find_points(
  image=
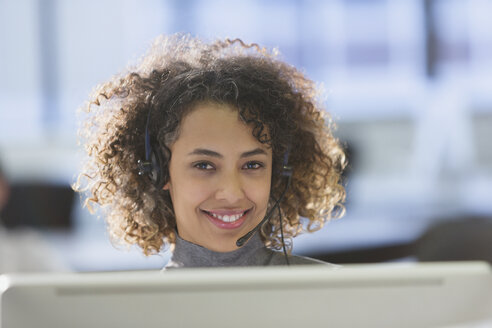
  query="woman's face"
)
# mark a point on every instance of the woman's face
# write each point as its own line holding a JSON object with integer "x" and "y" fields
{"x": 220, "y": 177}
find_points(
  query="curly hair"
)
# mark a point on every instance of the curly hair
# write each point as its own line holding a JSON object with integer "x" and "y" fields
{"x": 177, "y": 73}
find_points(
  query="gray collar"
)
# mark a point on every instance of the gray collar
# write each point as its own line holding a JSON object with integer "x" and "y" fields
{"x": 188, "y": 254}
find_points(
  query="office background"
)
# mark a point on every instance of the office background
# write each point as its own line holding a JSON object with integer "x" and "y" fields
{"x": 408, "y": 83}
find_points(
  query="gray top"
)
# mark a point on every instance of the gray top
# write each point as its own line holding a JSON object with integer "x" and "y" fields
{"x": 253, "y": 253}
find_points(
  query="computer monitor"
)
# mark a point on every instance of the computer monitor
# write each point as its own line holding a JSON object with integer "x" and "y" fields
{"x": 409, "y": 295}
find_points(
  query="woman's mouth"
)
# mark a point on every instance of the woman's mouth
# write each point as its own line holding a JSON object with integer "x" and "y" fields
{"x": 227, "y": 221}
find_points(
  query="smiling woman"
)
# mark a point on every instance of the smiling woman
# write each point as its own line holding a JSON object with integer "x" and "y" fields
{"x": 219, "y": 177}
{"x": 190, "y": 148}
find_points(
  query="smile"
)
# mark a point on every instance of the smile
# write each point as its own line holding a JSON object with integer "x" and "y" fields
{"x": 227, "y": 218}
{"x": 232, "y": 219}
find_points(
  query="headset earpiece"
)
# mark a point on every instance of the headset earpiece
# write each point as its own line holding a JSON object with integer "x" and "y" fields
{"x": 152, "y": 166}
{"x": 157, "y": 176}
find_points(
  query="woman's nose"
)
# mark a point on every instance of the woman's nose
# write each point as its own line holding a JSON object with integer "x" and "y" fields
{"x": 230, "y": 188}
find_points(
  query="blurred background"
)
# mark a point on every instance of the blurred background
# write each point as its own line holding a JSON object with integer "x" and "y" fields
{"x": 408, "y": 83}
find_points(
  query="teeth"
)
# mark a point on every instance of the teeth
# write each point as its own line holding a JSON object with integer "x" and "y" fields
{"x": 227, "y": 218}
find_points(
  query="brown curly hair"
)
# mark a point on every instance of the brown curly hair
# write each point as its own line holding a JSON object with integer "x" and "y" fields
{"x": 177, "y": 73}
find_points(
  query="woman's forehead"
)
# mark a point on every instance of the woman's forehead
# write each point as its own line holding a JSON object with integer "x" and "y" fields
{"x": 216, "y": 126}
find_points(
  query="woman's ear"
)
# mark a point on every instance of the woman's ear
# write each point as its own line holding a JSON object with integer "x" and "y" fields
{"x": 167, "y": 186}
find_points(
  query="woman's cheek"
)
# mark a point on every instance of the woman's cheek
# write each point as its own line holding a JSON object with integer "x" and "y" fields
{"x": 199, "y": 190}
{"x": 259, "y": 190}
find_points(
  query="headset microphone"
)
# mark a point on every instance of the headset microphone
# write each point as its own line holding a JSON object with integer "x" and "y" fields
{"x": 286, "y": 172}
{"x": 241, "y": 241}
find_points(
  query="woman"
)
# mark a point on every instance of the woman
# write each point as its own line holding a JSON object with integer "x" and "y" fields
{"x": 218, "y": 150}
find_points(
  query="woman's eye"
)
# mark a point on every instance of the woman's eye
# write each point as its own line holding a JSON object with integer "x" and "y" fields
{"x": 253, "y": 165}
{"x": 203, "y": 166}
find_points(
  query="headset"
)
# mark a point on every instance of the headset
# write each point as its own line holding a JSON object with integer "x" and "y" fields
{"x": 287, "y": 173}
{"x": 152, "y": 165}
{"x": 152, "y": 168}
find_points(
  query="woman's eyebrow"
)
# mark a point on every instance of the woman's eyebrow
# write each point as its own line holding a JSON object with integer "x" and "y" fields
{"x": 257, "y": 151}
{"x": 208, "y": 152}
